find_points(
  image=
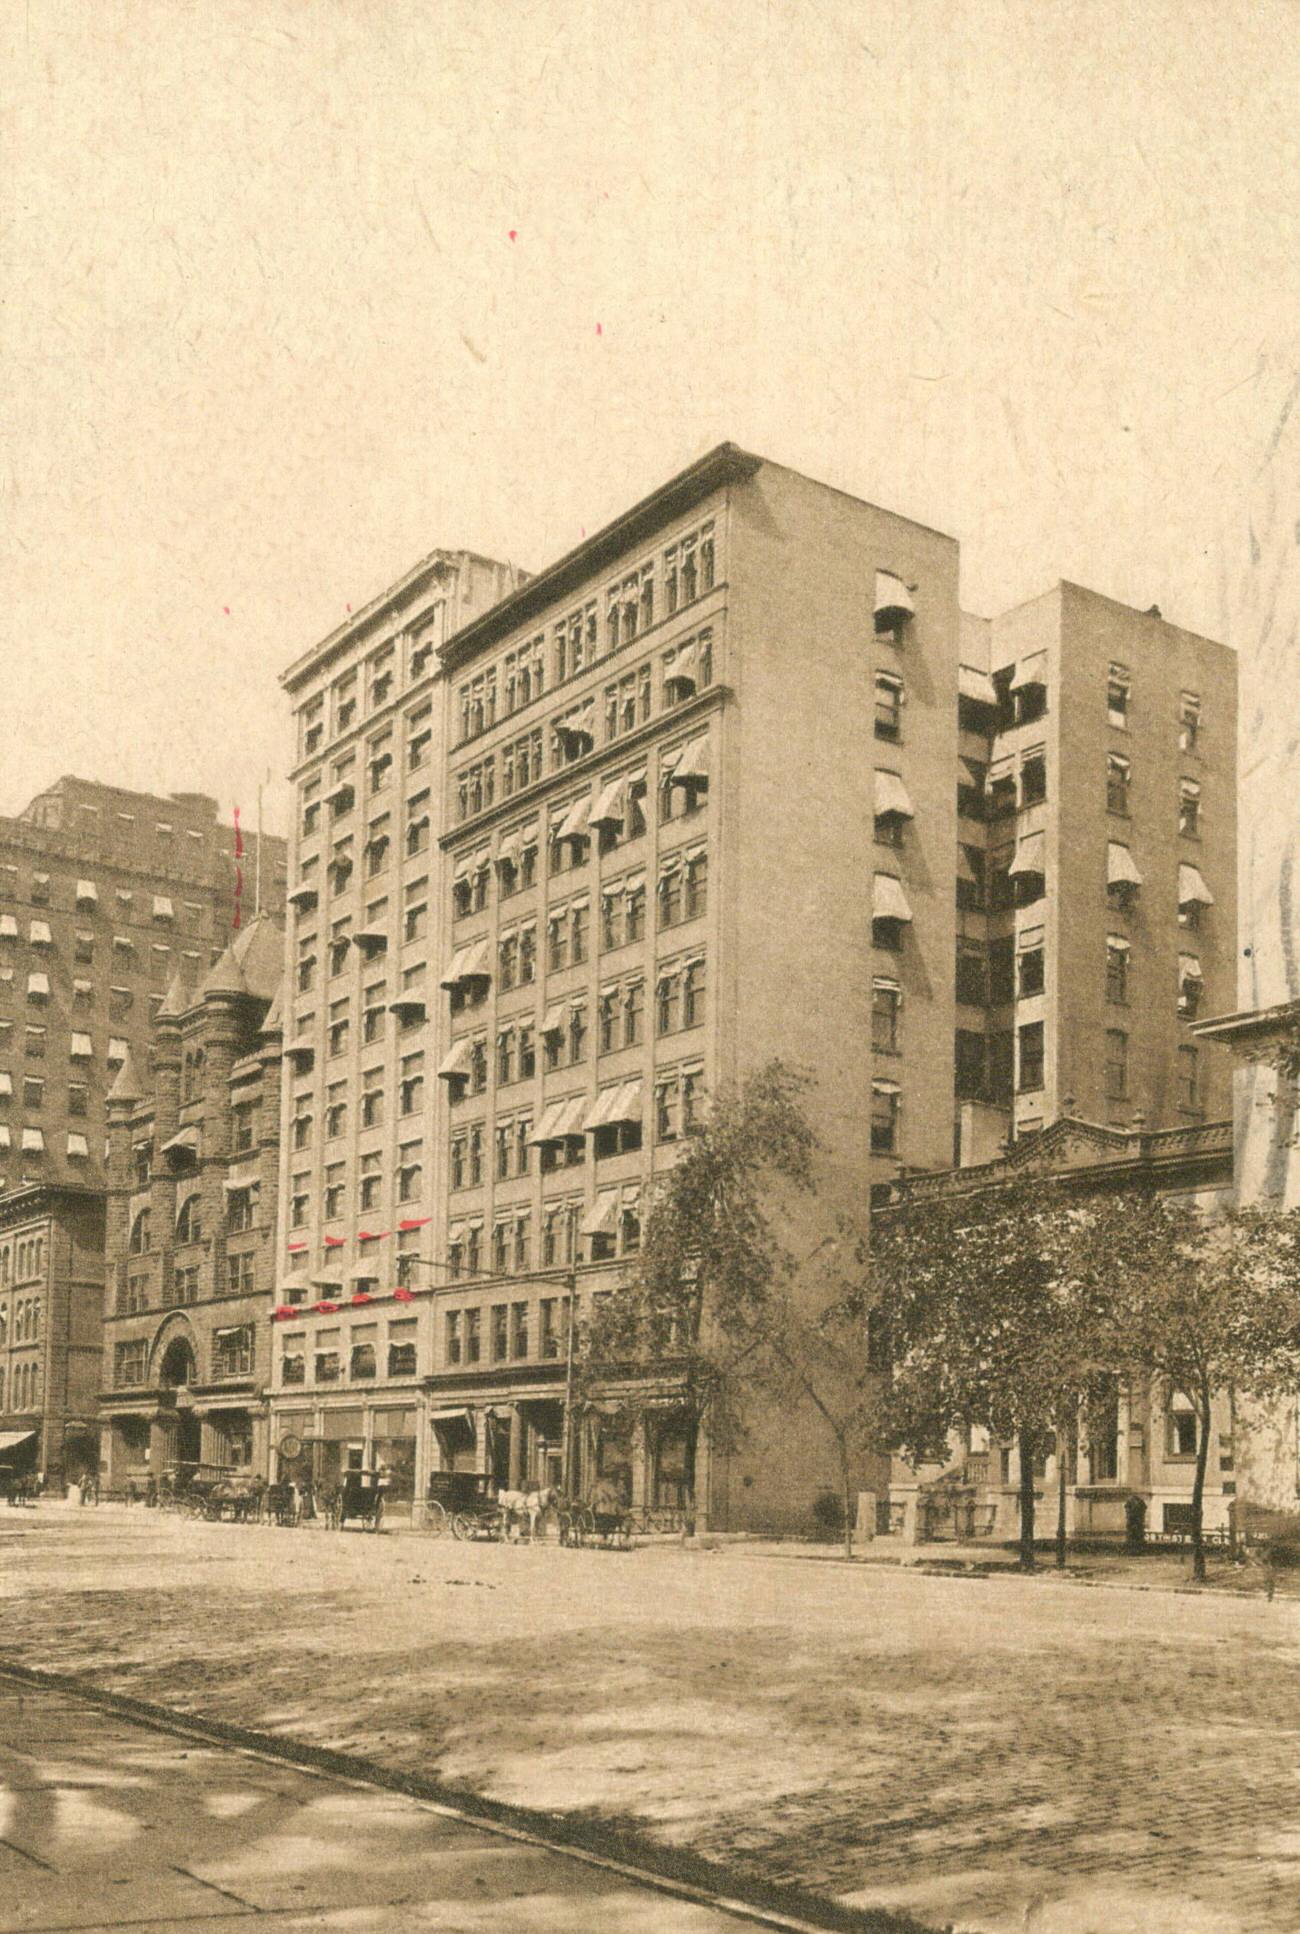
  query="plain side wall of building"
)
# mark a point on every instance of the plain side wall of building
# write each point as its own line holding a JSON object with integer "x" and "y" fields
{"x": 798, "y": 859}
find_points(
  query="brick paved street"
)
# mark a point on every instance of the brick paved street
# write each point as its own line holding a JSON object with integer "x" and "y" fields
{"x": 995, "y": 1754}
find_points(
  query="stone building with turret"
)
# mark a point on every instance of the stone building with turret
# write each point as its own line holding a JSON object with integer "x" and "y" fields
{"x": 193, "y": 1160}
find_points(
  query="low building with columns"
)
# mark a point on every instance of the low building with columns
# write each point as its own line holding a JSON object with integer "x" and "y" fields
{"x": 1141, "y": 1455}
{"x": 193, "y": 1164}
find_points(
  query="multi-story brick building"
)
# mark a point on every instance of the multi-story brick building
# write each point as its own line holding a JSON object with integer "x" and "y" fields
{"x": 51, "y": 1292}
{"x": 1097, "y": 868}
{"x": 104, "y": 896}
{"x": 193, "y": 1170}
{"x": 362, "y": 1024}
{"x": 695, "y": 800}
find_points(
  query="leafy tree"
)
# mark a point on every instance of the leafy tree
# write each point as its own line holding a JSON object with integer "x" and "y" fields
{"x": 992, "y": 1323}
{"x": 727, "y": 1301}
{"x": 1197, "y": 1306}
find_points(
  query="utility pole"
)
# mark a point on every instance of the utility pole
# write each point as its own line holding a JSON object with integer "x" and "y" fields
{"x": 566, "y": 1467}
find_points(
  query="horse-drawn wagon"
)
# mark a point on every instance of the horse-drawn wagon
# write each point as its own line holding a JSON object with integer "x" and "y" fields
{"x": 358, "y": 1500}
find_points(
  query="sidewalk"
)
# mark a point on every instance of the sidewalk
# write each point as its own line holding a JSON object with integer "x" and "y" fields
{"x": 105, "y": 1823}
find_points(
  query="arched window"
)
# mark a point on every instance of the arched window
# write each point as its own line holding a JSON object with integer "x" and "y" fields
{"x": 39, "y": 1257}
{"x": 140, "y": 1235}
{"x": 189, "y": 1223}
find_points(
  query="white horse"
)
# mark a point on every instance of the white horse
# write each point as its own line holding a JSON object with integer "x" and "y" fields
{"x": 520, "y": 1506}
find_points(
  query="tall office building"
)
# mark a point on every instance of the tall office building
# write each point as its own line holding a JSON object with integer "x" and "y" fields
{"x": 104, "y": 896}
{"x": 724, "y": 783}
{"x": 361, "y": 1021}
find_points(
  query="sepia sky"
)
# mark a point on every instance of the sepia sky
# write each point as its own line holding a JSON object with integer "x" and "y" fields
{"x": 294, "y": 293}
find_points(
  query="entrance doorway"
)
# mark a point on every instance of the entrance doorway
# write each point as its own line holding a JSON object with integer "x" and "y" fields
{"x": 188, "y": 1437}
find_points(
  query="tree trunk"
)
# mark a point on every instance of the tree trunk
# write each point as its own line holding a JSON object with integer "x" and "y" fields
{"x": 1027, "y": 1447}
{"x": 1062, "y": 1454}
{"x": 1198, "y": 1488}
{"x": 845, "y": 1480}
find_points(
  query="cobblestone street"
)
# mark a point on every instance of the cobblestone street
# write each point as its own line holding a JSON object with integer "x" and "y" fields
{"x": 987, "y": 1753}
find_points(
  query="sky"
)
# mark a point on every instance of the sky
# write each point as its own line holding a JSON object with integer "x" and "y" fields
{"x": 296, "y": 291}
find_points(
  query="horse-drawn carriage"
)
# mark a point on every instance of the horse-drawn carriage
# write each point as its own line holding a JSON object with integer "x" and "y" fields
{"x": 601, "y": 1521}
{"x": 464, "y": 1503}
{"x": 358, "y": 1500}
{"x": 17, "y": 1487}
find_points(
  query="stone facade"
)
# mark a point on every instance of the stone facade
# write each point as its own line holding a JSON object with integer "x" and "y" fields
{"x": 51, "y": 1296}
{"x": 194, "y": 1154}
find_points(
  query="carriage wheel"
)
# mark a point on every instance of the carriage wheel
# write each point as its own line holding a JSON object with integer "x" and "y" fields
{"x": 462, "y": 1526}
{"x": 584, "y": 1525}
{"x": 435, "y": 1519}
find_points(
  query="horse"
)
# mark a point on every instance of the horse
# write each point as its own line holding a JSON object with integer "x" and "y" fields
{"x": 532, "y": 1504}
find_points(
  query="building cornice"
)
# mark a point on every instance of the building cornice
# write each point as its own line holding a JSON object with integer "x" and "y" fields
{"x": 726, "y": 464}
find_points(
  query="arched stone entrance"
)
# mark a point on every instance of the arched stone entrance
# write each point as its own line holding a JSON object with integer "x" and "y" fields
{"x": 176, "y": 1367}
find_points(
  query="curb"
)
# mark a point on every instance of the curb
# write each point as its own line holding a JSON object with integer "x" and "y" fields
{"x": 678, "y": 1873}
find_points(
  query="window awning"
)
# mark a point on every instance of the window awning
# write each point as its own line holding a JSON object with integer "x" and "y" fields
{"x": 336, "y": 794}
{"x": 555, "y": 1017}
{"x": 602, "y": 1216}
{"x": 1031, "y": 856}
{"x": 456, "y": 1060}
{"x": 468, "y": 963}
{"x": 162, "y": 907}
{"x": 976, "y": 772}
{"x": 605, "y": 1100}
{"x": 691, "y": 765}
{"x": 8, "y": 927}
{"x": 38, "y": 933}
{"x": 300, "y": 1050}
{"x": 449, "y": 1416}
{"x": 33, "y": 1141}
{"x": 881, "y": 1086}
{"x": 574, "y": 823}
{"x": 579, "y": 728}
{"x": 1030, "y": 671}
{"x": 371, "y": 940}
{"x": 7, "y": 1080}
{"x": 965, "y": 871}
{"x": 188, "y": 1139}
{"x": 87, "y": 893}
{"x": 240, "y": 1180}
{"x": 5, "y": 1141}
{"x": 682, "y": 669}
{"x": 893, "y": 601}
{"x": 1192, "y": 890}
{"x": 611, "y": 806}
{"x": 81, "y": 1049}
{"x": 626, "y": 1104}
{"x": 888, "y": 900}
{"x": 976, "y": 685}
{"x": 408, "y": 1003}
{"x": 1117, "y": 943}
{"x": 892, "y": 799}
{"x": 509, "y": 849}
{"x": 10, "y": 1439}
{"x": 572, "y": 1120}
{"x": 304, "y": 896}
{"x": 1120, "y": 867}
{"x": 39, "y": 984}
{"x": 545, "y": 1130}
{"x": 78, "y": 1145}
{"x": 1189, "y": 967}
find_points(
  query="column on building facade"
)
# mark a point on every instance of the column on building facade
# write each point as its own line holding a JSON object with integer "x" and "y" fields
{"x": 516, "y": 1464}
{"x": 642, "y": 1453}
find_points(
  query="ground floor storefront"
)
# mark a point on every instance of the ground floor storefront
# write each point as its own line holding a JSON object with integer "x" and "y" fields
{"x": 314, "y": 1441}
{"x": 160, "y": 1435}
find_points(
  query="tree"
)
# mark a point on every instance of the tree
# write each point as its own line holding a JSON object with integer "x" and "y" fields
{"x": 727, "y": 1302}
{"x": 1197, "y": 1306}
{"x": 992, "y": 1323}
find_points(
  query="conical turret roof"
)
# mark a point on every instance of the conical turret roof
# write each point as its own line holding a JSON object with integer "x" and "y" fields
{"x": 126, "y": 1083}
{"x": 252, "y": 964}
{"x": 274, "y": 1022}
{"x": 175, "y": 1000}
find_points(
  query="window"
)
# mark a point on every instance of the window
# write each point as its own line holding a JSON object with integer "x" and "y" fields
{"x": 969, "y": 1064}
{"x": 886, "y": 1007}
{"x": 78, "y": 1098}
{"x": 670, "y": 891}
{"x": 415, "y": 914}
{"x": 884, "y": 1117}
{"x": 1189, "y": 722}
{"x": 33, "y": 1092}
{"x": 1190, "y": 987}
{"x": 1117, "y": 963}
{"x": 83, "y": 946}
{"x": 372, "y": 1098}
{"x": 410, "y": 1172}
{"x": 361, "y": 1362}
{"x": 417, "y": 824}
{"x": 372, "y": 1180}
{"x": 241, "y": 1273}
{"x": 338, "y": 1029}
{"x": 34, "y": 1043}
{"x": 1115, "y": 1066}
{"x": 299, "y": 1202}
{"x": 189, "y": 1221}
{"x": 1189, "y": 808}
{"x": 972, "y": 974}
{"x": 140, "y": 1241}
{"x": 336, "y": 1111}
{"x": 475, "y": 789}
{"x": 239, "y": 1211}
{"x": 473, "y": 1317}
{"x": 334, "y": 1182}
{"x": 1117, "y": 696}
{"x": 1189, "y": 1091}
{"x": 1180, "y": 1428}
{"x": 130, "y": 1362}
{"x": 411, "y": 1084}
{"x": 1030, "y": 1045}
{"x": 1118, "y": 771}
{"x": 1029, "y": 980}
{"x": 889, "y": 707}
{"x": 1033, "y": 777}
{"x": 1001, "y": 790}
{"x": 401, "y": 1351}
